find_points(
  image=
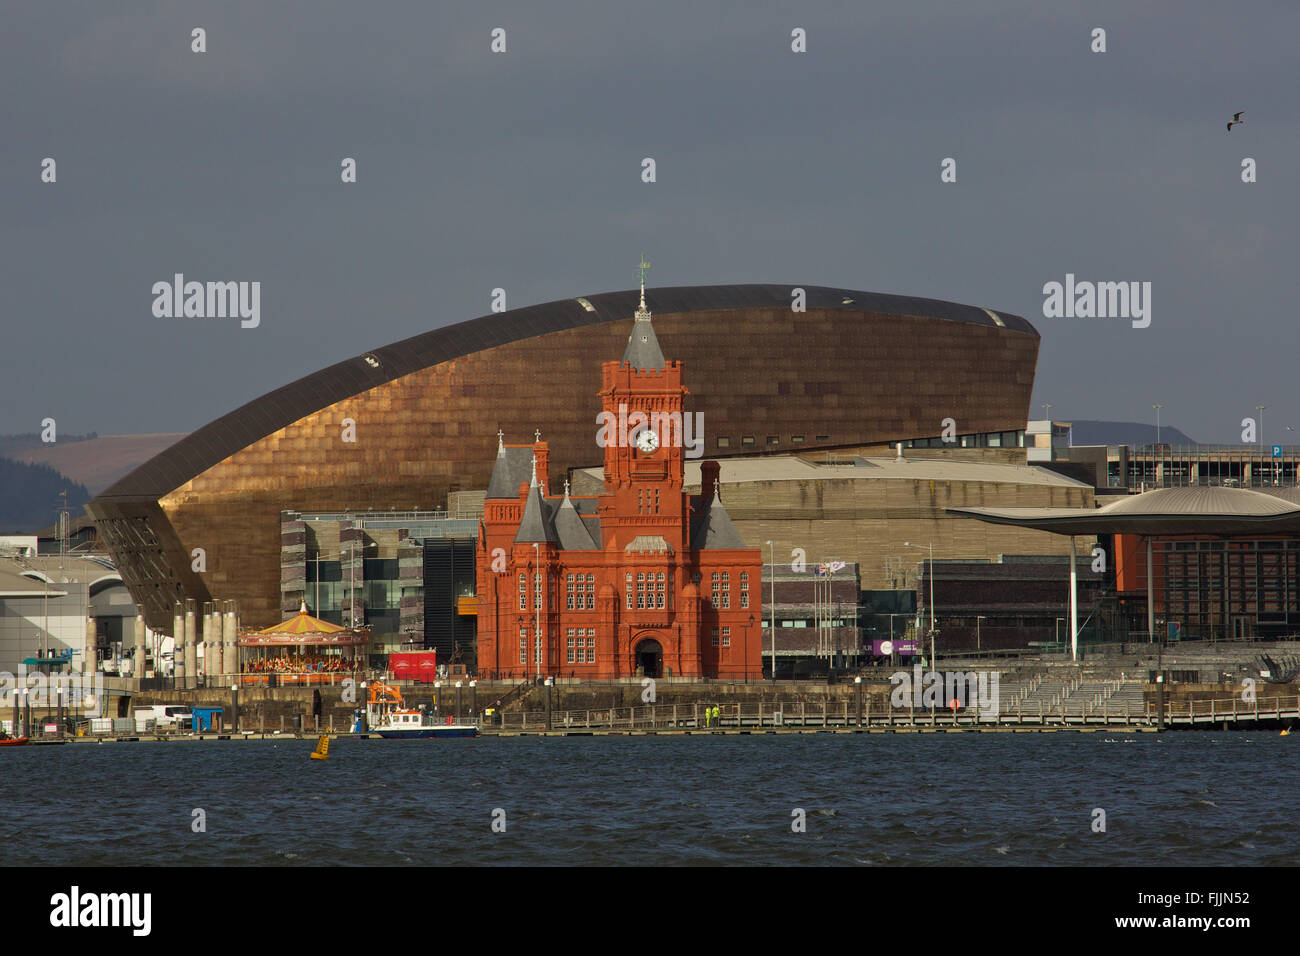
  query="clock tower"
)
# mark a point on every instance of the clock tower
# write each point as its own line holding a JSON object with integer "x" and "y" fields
{"x": 643, "y": 404}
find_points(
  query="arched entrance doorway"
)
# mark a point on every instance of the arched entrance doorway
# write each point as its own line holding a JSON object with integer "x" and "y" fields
{"x": 649, "y": 658}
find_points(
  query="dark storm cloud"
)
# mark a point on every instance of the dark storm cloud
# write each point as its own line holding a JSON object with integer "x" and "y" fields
{"x": 522, "y": 171}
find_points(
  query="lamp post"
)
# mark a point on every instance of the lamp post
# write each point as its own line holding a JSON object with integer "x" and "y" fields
{"x": 549, "y": 682}
{"x": 751, "y": 627}
{"x": 458, "y": 683}
{"x": 473, "y": 699}
{"x": 537, "y": 613}
{"x": 436, "y": 686}
{"x": 771, "y": 600}
{"x": 234, "y": 708}
{"x": 1157, "y": 408}
{"x": 908, "y": 544}
{"x": 978, "y": 618}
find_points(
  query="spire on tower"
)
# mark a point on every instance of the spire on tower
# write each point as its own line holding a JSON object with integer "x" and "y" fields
{"x": 644, "y": 266}
{"x": 643, "y": 351}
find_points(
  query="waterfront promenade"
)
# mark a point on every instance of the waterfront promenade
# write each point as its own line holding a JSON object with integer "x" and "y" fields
{"x": 843, "y": 718}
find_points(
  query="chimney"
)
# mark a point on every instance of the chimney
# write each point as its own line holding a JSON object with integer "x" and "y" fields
{"x": 709, "y": 472}
{"x": 543, "y": 464}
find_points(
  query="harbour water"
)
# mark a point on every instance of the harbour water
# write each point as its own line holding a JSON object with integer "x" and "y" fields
{"x": 934, "y": 799}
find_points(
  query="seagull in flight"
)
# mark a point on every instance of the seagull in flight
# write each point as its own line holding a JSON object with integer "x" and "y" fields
{"x": 1236, "y": 120}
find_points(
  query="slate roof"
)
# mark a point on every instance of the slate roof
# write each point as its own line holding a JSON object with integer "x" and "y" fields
{"x": 643, "y": 351}
{"x": 713, "y": 529}
{"x": 537, "y": 524}
{"x": 513, "y": 466}
{"x": 571, "y": 530}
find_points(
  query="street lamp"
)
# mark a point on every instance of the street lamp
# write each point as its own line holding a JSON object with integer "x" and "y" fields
{"x": 771, "y": 600}
{"x": 978, "y": 618}
{"x": 1157, "y": 408}
{"x": 908, "y": 544}
{"x": 537, "y": 614}
{"x": 751, "y": 627}
{"x": 1260, "y": 434}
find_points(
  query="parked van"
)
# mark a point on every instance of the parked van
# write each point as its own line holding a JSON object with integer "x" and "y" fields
{"x": 167, "y": 716}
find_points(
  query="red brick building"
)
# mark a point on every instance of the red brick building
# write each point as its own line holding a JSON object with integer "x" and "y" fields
{"x": 640, "y": 580}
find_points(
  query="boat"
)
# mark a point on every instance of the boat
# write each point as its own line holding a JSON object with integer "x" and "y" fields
{"x": 7, "y": 741}
{"x": 389, "y": 716}
{"x": 322, "y": 751}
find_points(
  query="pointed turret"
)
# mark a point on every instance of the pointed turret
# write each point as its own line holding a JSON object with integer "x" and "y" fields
{"x": 643, "y": 351}
{"x": 534, "y": 526}
{"x": 714, "y": 529}
{"x": 570, "y": 528}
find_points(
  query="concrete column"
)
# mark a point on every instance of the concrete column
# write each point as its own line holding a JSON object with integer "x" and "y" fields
{"x": 178, "y": 648}
{"x": 1074, "y": 604}
{"x": 90, "y": 653}
{"x": 138, "y": 670}
{"x": 191, "y": 636}
{"x": 214, "y": 669}
{"x": 230, "y": 655}
{"x": 204, "y": 635}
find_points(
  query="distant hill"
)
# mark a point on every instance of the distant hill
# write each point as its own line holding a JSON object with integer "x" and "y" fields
{"x": 1125, "y": 433}
{"x": 93, "y": 461}
{"x": 29, "y": 496}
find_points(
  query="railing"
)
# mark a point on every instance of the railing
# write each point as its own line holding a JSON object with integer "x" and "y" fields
{"x": 1095, "y": 710}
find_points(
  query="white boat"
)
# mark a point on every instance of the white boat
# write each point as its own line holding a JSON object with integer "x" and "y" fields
{"x": 388, "y": 716}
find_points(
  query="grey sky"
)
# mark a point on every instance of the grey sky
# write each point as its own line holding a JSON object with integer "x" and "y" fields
{"x": 522, "y": 171}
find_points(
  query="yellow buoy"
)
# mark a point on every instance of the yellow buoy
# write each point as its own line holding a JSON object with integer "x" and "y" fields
{"x": 1285, "y": 732}
{"x": 322, "y": 751}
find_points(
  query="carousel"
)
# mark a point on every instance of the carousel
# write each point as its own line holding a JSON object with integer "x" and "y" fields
{"x": 302, "y": 650}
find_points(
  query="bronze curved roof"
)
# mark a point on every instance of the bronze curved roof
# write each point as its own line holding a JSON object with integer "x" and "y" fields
{"x": 240, "y": 428}
{"x": 1192, "y": 510}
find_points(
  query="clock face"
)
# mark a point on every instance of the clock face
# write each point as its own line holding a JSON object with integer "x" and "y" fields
{"x": 647, "y": 441}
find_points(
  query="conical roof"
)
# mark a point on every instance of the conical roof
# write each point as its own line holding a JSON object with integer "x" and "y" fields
{"x": 570, "y": 528}
{"x": 643, "y": 351}
{"x": 303, "y": 623}
{"x": 714, "y": 529}
{"x": 535, "y": 527}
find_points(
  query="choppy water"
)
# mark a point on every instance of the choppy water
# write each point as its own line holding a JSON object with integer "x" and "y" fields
{"x": 1188, "y": 799}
